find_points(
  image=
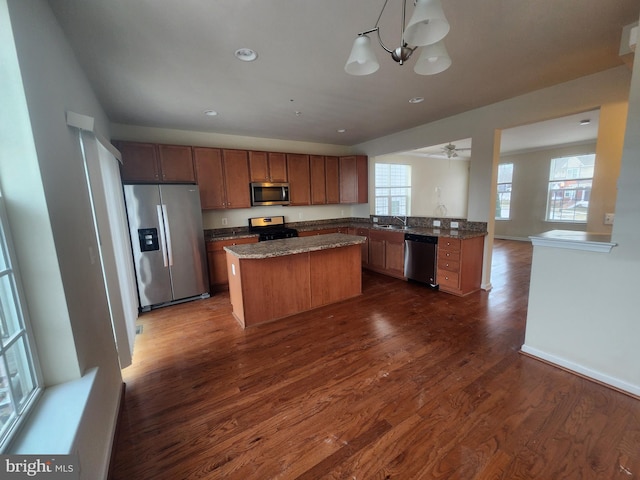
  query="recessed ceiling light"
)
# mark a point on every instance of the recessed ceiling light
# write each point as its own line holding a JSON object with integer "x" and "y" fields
{"x": 586, "y": 121}
{"x": 416, "y": 100}
{"x": 210, "y": 113}
{"x": 246, "y": 54}
{"x": 341, "y": 130}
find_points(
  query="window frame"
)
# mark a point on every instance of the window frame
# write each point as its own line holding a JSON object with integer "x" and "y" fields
{"x": 389, "y": 197}
{"x": 498, "y": 192}
{"x": 19, "y": 408}
{"x": 571, "y": 177}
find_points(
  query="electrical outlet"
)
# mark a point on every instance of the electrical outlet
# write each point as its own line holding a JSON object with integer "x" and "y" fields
{"x": 342, "y": 213}
{"x": 224, "y": 221}
{"x": 454, "y": 225}
{"x": 375, "y": 219}
{"x": 300, "y": 215}
{"x": 436, "y": 223}
{"x": 609, "y": 218}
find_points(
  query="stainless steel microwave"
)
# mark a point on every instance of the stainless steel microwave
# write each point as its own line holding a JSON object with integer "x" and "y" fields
{"x": 269, "y": 194}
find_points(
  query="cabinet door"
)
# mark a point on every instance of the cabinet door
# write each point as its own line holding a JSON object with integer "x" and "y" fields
{"x": 209, "y": 175}
{"x": 139, "y": 162}
{"x": 299, "y": 179}
{"x": 332, "y": 176}
{"x": 354, "y": 179}
{"x": 376, "y": 253}
{"x": 258, "y": 167}
{"x": 176, "y": 164}
{"x": 217, "y": 258}
{"x": 278, "y": 167}
{"x": 318, "y": 180}
{"x": 236, "y": 178}
{"x": 394, "y": 257}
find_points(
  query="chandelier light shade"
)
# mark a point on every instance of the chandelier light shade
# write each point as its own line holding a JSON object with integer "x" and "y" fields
{"x": 426, "y": 28}
{"x": 362, "y": 60}
{"x": 427, "y": 24}
{"x": 433, "y": 59}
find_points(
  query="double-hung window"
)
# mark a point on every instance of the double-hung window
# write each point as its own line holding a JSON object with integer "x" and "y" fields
{"x": 393, "y": 189}
{"x": 570, "y": 181}
{"x": 503, "y": 198}
{"x": 19, "y": 378}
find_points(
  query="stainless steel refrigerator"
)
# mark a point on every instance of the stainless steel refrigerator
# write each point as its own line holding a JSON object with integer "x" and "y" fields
{"x": 165, "y": 224}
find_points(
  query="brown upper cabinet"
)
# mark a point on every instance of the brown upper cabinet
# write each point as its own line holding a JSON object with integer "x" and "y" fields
{"x": 152, "y": 163}
{"x": 268, "y": 167}
{"x": 354, "y": 178}
{"x": 299, "y": 179}
{"x": 325, "y": 179}
{"x": 318, "y": 180}
{"x": 223, "y": 178}
{"x": 332, "y": 176}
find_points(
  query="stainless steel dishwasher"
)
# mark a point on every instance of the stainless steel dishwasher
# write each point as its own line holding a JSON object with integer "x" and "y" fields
{"x": 420, "y": 258}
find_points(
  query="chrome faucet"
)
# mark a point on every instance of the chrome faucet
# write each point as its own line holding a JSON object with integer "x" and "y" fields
{"x": 403, "y": 220}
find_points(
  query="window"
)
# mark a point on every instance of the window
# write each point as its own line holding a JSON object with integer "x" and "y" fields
{"x": 503, "y": 199}
{"x": 570, "y": 180}
{"x": 19, "y": 379}
{"x": 393, "y": 189}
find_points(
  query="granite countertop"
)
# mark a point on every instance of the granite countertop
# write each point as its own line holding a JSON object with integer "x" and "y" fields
{"x": 291, "y": 246}
{"x": 434, "y": 232}
{"x": 242, "y": 232}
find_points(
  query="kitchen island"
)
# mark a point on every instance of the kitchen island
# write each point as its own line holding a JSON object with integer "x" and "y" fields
{"x": 279, "y": 278}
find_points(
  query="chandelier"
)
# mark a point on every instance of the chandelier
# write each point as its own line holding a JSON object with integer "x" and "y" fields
{"x": 425, "y": 31}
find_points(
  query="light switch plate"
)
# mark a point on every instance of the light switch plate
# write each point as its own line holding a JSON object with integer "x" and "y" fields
{"x": 454, "y": 225}
{"x": 436, "y": 223}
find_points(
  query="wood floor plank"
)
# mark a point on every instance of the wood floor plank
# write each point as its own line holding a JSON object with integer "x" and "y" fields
{"x": 402, "y": 382}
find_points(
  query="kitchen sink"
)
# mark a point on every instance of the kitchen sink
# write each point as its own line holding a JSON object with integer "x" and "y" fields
{"x": 394, "y": 227}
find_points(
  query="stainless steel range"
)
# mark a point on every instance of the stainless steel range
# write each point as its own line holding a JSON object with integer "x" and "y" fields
{"x": 271, "y": 228}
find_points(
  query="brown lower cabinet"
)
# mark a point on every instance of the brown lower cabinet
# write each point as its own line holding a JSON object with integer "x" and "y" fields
{"x": 217, "y": 259}
{"x": 386, "y": 252}
{"x": 363, "y": 232}
{"x": 460, "y": 264}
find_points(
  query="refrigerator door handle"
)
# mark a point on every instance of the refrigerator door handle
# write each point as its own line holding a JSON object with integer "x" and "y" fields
{"x": 163, "y": 240}
{"x": 167, "y": 234}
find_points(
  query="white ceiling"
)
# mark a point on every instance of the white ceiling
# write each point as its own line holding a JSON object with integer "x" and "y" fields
{"x": 558, "y": 131}
{"x": 162, "y": 63}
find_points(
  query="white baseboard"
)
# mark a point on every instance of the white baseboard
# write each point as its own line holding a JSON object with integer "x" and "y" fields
{"x": 583, "y": 371}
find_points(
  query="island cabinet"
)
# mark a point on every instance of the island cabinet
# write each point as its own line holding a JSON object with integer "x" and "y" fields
{"x": 362, "y": 232}
{"x": 459, "y": 264}
{"x": 386, "y": 252}
{"x": 153, "y": 163}
{"x": 268, "y": 167}
{"x": 299, "y": 173}
{"x": 354, "y": 179}
{"x": 217, "y": 260}
{"x": 223, "y": 178}
{"x": 272, "y": 280}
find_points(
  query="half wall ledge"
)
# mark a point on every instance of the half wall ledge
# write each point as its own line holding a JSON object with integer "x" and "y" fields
{"x": 573, "y": 240}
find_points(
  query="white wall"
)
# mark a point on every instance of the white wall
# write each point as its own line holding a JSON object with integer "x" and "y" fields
{"x": 583, "y": 306}
{"x": 43, "y": 179}
{"x": 433, "y": 181}
{"x": 483, "y": 126}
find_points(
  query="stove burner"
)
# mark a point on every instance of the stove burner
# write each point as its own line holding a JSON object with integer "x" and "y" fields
{"x": 271, "y": 228}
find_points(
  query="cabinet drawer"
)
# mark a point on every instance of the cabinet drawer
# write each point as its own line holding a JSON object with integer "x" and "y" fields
{"x": 448, "y": 279}
{"x": 449, "y": 265}
{"x": 449, "y": 244}
{"x": 448, "y": 255}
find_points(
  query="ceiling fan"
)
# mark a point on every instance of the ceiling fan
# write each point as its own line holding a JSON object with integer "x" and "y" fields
{"x": 451, "y": 151}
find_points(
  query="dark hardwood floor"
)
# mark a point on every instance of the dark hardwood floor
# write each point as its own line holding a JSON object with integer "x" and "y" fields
{"x": 400, "y": 383}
